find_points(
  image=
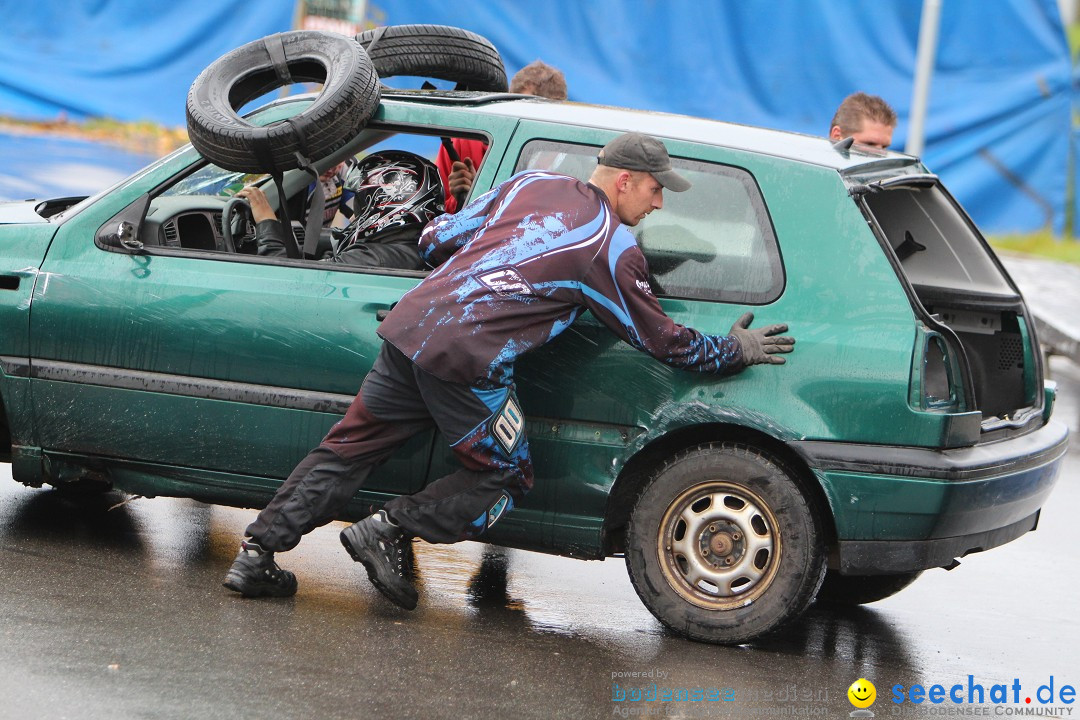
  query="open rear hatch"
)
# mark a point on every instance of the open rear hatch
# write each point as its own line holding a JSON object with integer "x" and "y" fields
{"x": 962, "y": 293}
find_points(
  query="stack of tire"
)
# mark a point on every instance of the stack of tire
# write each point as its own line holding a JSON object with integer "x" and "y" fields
{"x": 350, "y": 70}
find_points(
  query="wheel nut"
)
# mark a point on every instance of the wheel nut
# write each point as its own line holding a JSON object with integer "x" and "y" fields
{"x": 728, "y": 561}
{"x": 712, "y": 528}
{"x": 736, "y": 536}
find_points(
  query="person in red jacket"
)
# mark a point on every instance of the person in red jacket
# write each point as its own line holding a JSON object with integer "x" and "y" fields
{"x": 536, "y": 78}
{"x": 513, "y": 269}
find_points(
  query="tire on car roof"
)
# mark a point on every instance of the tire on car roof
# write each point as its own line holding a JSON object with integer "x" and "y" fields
{"x": 349, "y": 97}
{"x": 436, "y": 51}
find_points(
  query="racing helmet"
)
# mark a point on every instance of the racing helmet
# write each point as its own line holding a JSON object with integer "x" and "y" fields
{"x": 393, "y": 189}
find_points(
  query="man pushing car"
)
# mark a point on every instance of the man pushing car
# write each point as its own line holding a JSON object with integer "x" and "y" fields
{"x": 513, "y": 269}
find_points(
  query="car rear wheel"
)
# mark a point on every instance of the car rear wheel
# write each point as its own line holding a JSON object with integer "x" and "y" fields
{"x": 862, "y": 589}
{"x": 349, "y": 97}
{"x": 436, "y": 51}
{"x": 724, "y": 544}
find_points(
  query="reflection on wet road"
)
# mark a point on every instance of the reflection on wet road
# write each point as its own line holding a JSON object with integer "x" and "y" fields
{"x": 120, "y": 613}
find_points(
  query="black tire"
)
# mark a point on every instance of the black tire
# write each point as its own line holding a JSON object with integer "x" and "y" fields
{"x": 349, "y": 97}
{"x": 437, "y": 51}
{"x": 724, "y": 545}
{"x": 862, "y": 589}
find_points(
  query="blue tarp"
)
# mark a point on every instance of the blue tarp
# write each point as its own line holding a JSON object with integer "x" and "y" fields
{"x": 122, "y": 59}
{"x": 998, "y": 129}
{"x": 998, "y": 125}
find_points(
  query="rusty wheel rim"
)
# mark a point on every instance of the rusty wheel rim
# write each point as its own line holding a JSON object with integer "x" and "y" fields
{"x": 719, "y": 546}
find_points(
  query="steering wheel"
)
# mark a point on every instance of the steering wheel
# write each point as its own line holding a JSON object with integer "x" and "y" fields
{"x": 232, "y": 226}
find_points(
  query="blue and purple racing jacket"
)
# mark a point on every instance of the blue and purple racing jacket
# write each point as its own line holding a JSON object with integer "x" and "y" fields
{"x": 516, "y": 267}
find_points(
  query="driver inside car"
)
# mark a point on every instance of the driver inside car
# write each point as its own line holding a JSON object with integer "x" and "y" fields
{"x": 396, "y": 194}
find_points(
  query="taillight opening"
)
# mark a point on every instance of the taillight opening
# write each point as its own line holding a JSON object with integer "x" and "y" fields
{"x": 938, "y": 390}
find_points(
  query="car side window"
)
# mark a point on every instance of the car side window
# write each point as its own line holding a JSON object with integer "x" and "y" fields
{"x": 369, "y": 209}
{"x": 713, "y": 242}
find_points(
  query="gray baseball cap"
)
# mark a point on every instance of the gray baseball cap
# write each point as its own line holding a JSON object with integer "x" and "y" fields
{"x": 636, "y": 151}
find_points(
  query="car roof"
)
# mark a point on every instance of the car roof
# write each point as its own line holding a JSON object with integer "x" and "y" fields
{"x": 812, "y": 149}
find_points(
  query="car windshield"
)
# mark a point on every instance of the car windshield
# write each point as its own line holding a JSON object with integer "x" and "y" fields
{"x": 212, "y": 180}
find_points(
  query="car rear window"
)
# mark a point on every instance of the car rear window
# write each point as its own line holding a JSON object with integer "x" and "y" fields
{"x": 935, "y": 244}
{"x": 712, "y": 242}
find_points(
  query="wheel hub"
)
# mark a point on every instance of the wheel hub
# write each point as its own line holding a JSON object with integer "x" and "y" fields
{"x": 721, "y": 544}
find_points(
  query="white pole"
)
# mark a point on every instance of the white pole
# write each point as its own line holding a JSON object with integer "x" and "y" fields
{"x": 924, "y": 71}
{"x": 1068, "y": 12}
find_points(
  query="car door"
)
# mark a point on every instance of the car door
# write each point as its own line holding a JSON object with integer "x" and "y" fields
{"x": 200, "y": 359}
{"x": 712, "y": 254}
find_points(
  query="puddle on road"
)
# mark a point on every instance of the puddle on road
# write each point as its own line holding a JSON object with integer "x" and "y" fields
{"x": 551, "y": 594}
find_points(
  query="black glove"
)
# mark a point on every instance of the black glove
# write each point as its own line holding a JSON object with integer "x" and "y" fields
{"x": 758, "y": 345}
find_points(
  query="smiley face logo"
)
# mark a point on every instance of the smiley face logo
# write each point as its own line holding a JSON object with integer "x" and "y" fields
{"x": 862, "y": 693}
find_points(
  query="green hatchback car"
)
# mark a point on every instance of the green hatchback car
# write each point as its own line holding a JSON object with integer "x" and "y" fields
{"x": 146, "y": 346}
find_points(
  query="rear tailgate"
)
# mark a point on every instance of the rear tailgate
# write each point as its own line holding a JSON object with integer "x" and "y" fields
{"x": 985, "y": 355}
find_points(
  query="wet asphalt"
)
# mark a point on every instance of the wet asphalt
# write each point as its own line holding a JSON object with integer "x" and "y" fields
{"x": 119, "y": 613}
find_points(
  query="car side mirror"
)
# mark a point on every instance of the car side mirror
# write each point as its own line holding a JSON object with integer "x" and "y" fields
{"x": 121, "y": 231}
{"x": 121, "y": 238}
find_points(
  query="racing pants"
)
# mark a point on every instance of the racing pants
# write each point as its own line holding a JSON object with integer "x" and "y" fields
{"x": 397, "y": 400}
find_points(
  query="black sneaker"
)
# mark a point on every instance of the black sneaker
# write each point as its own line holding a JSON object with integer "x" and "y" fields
{"x": 383, "y": 548}
{"x": 255, "y": 574}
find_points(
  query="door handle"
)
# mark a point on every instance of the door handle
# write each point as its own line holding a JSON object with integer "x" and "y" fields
{"x": 381, "y": 314}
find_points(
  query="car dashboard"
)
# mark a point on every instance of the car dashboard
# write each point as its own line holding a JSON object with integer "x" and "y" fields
{"x": 194, "y": 223}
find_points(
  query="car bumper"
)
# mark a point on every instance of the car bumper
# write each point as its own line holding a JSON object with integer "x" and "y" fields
{"x": 902, "y": 509}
